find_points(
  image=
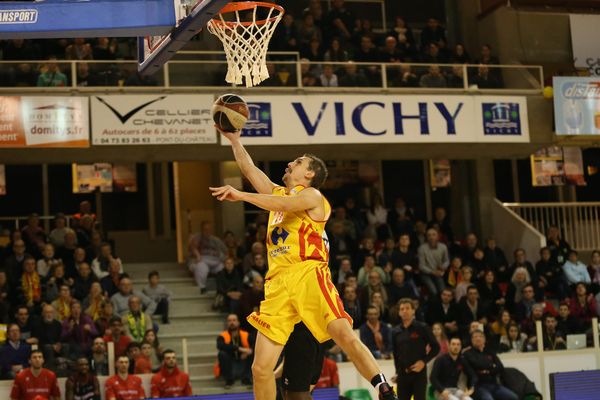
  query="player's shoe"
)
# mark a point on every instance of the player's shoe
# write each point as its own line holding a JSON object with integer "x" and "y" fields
{"x": 386, "y": 392}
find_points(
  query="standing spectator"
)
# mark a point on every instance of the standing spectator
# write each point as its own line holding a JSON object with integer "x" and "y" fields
{"x": 514, "y": 341}
{"x": 414, "y": 346}
{"x": 234, "y": 352}
{"x": 83, "y": 282}
{"x": 471, "y": 308}
{"x": 433, "y": 262}
{"x": 47, "y": 262}
{"x": 116, "y": 336}
{"x": 105, "y": 258}
{"x": 50, "y": 75}
{"x": 339, "y": 21}
{"x": 62, "y": 304}
{"x": 35, "y": 382}
{"x": 494, "y": 257}
{"x": 122, "y": 385}
{"x": 206, "y": 254}
{"x": 31, "y": 286}
{"x": 446, "y": 372}
{"x": 575, "y": 271}
{"x": 78, "y": 331}
{"x": 99, "y": 358}
{"x": 229, "y": 287}
{"x": 57, "y": 235}
{"x": 403, "y": 34}
{"x": 443, "y": 310}
{"x": 120, "y": 300}
{"x": 136, "y": 321}
{"x": 376, "y": 335}
{"x": 83, "y": 384}
{"x": 14, "y": 354}
{"x": 170, "y": 381}
{"x": 14, "y": 263}
{"x": 159, "y": 294}
{"x": 433, "y": 78}
{"x": 488, "y": 368}
{"x": 48, "y": 331}
{"x": 550, "y": 273}
{"x": 433, "y": 33}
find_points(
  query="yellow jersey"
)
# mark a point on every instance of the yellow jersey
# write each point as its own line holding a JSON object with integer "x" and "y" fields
{"x": 294, "y": 237}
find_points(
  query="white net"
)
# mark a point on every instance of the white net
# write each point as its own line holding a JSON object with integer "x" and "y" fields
{"x": 246, "y": 42}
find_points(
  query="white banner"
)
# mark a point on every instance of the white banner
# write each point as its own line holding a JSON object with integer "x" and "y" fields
{"x": 152, "y": 119}
{"x": 584, "y": 41}
{"x": 330, "y": 119}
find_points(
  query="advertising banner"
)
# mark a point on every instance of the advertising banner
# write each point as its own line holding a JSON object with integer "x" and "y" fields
{"x": 89, "y": 177}
{"x": 331, "y": 119}
{"x": 440, "y": 172}
{"x": 557, "y": 166}
{"x": 152, "y": 119}
{"x": 577, "y": 105}
{"x": 124, "y": 177}
{"x": 31, "y": 121}
{"x": 584, "y": 40}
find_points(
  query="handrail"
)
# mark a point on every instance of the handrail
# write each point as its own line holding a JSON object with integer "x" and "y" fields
{"x": 554, "y": 204}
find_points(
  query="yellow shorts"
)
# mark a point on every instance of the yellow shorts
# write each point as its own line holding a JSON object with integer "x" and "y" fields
{"x": 300, "y": 293}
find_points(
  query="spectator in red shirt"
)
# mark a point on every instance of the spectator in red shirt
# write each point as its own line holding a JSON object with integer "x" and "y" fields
{"x": 329, "y": 374}
{"x": 116, "y": 336}
{"x": 143, "y": 363}
{"x": 123, "y": 386}
{"x": 170, "y": 381}
{"x": 35, "y": 382}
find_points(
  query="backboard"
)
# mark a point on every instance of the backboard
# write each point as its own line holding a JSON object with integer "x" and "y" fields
{"x": 191, "y": 17}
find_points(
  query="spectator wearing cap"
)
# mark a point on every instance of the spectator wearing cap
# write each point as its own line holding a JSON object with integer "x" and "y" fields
{"x": 99, "y": 357}
{"x": 30, "y": 286}
{"x": 116, "y": 336}
{"x": 48, "y": 332}
{"x": 78, "y": 331}
{"x": 120, "y": 300}
{"x": 57, "y": 235}
{"x": 576, "y": 271}
{"x": 102, "y": 262}
{"x": 14, "y": 354}
{"x": 82, "y": 384}
{"x": 136, "y": 322}
{"x": 159, "y": 294}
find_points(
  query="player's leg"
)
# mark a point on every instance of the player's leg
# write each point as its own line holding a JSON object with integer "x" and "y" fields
{"x": 266, "y": 354}
{"x": 303, "y": 365}
{"x": 200, "y": 271}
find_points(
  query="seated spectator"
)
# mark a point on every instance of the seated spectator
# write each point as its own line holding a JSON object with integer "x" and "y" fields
{"x": 105, "y": 258}
{"x": 566, "y": 323}
{"x": 471, "y": 309}
{"x": 136, "y": 321}
{"x": 433, "y": 262}
{"x": 487, "y": 368}
{"x": 352, "y": 306}
{"x": 159, "y": 294}
{"x": 339, "y": 21}
{"x": 455, "y": 271}
{"x": 407, "y": 258}
{"x": 25, "y": 324}
{"x": 248, "y": 261}
{"x": 558, "y": 247}
{"x": 486, "y": 56}
{"x": 99, "y": 358}
{"x": 110, "y": 283}
{"x": 13, "y": 264}
{"x": 406, "y": 77}
{"x": 50, "y": 75}
{"x": 376, "y": 335}
{"x": 92, "y": 303}
{"x": 33, "y": 235}
{"x": 500, "y": 325}
{"x": 366, "y": 248}
{"x": 461, "y": 289}
{"x": 440, "y": 217}
{"x": 235, "y": 353}
{"x": 388, "y": 255}
{"x": 460, "y": 55}
{"x": 353, "y": 77}
{"x": 433, "y": 78}
{"x": 250, "y": 300}
{"x": 57, "y": 235}
{"x": 341, "y": 243}
{"x": 368, "y": 267}
{"x": 106, "y": 314}
{"x": 335, "y": 52}
{"x": 390, "y": 52}
{"x": 78, "y": 331}
{"x": 93, "y": 249}
{"x": 122, "y": 385}
{"x": 521, "y": 261}
{"x": 438, "y": 333}
{"x": 57, "y": 279}
{"x": 35, "y": 382}
{"x": 156, "y": 349}
{"x": 520, "y": 279}
{"x": 524, "y": 307}
{"x": 377, "y": 226}
{"x": 45, "y": 264}
{"x": 116, "y": 336}
{"x": 14, "y": 353}
{"x": 528, "y": 325}
{"x": 328, "y": 78}
{"x": 4, "y": 297}
{"x": 85, "y": 230}
{"x": 234, "y": 249}
{"x": 206, "y": 254}
{"x": 494, "y": 257}
{"x": 169, "y": 381}
{"x": 446, "y": 372}
{"x": 285, "y": 37}
{"x": 62, "y": 304}
{"x": 229, "y": 287}
{"x": 455, "y": 78}
{"x": 583, "y": 305}
{"x": 378, "y": 301}
{"x": 48, "y": 332}
{"x": 514, "y": 341}
{"x": 79, "y": 50}
{"x": 433, "y": 33}
{"x": 485, "y": 79}
{"x": 82, "y": 384}
{"x": 550, "y": 273}
{"x": 83, "y": 282}
{"x": 443, "y": 310}
{"x": 490, "y": 292}
{"x": 594, "y": 271}
{"x": 575, "y": 271}
{"x": 105, "y": 49}
{"x": 344, "y": 270}
{"x": 30, "y": 288}
{"x": 120, "y": 300}
{"x": 399, "y": 288}
{"x": 478, "y": 263}
{"x": 259, "y": 267}
{"x": 374, "y": 285}
{"x": 143, "y": 363}
{"x": 307, "y": 29}
{"x": 553, "y": 339}
{"x": 434, "y": 54}
{"x": 67, "y": 251}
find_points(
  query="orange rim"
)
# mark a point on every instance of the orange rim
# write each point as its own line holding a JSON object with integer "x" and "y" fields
{"x": 248, "y": 5}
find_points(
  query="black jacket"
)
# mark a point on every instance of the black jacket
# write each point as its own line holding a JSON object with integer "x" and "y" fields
{"x": 485, "y": 364}
{"x": 410, "y": 345}
{"x": 229, "y": 282}
{"x": 518, "y": 382}
{"x": 446, "y": 372}
{"x": 465, "y": 316}
{"x": 435, "y": 313}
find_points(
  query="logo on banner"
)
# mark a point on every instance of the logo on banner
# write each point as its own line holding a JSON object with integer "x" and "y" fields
{"x": 581, "y": 90}
{"x": 125, "y": 117}
{"x": 18, "y": 17}
{"x": 501, "y": 119}
{"x": 259, "y": 122}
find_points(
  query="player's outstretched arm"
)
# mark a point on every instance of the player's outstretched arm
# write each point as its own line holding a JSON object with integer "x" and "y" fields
{"x": 259, "y": 180}
{"x": 306, "y": 200}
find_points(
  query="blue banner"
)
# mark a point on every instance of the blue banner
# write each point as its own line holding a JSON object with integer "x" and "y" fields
{"x": 577, "y": 105}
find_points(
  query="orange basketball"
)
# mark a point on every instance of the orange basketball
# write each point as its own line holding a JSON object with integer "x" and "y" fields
{"x": 230, "y": 112}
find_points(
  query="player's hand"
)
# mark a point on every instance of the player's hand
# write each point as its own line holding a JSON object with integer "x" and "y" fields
{"x": 229, "y": 135}
{"x": 226, "y": 192}
{"x": 445, "y": 394}
{"x": 418, "y": 366}
{"x": 470, "y": 391}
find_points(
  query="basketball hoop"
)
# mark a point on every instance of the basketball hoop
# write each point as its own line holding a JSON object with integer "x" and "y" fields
{"x": 246, "y": 42}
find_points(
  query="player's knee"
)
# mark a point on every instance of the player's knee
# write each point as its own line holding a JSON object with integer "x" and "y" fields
{"x": 261, "y": 372}
{"x": 342, "y": 333}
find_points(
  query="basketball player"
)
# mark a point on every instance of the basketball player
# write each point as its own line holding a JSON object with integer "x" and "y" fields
{"x": 298, "y": 285}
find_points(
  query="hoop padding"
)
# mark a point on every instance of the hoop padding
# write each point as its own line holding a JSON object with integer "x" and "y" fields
{"x": 246, "y": 42}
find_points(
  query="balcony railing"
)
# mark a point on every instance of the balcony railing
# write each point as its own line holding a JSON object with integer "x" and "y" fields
{"x": 187, "y": 72}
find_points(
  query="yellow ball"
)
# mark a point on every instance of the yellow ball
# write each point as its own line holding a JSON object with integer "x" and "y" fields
{"x": 548, "y": 92}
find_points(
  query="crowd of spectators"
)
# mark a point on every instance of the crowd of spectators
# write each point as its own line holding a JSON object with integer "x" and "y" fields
{"x": 65, "y": 294}
{"x": 380, "y": 256}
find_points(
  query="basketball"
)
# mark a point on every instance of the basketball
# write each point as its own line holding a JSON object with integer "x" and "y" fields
{"x": 230, "y": 112}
